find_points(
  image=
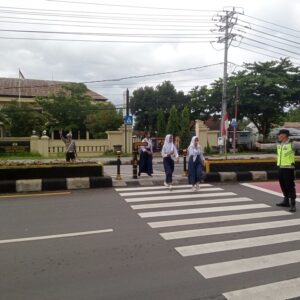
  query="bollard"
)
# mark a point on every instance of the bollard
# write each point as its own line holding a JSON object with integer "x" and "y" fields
{"x": 184, "y": 173}
{"x": 134, "y": 164}
{"x": 118, "y": 177}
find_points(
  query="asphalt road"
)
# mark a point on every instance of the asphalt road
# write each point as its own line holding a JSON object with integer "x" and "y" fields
{"x": 122, "y": 250}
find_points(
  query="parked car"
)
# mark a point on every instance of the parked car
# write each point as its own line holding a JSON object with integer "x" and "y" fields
{"x": 294, "y": 134}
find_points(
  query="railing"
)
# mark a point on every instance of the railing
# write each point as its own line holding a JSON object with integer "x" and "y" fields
{"x": 87, "y": 148}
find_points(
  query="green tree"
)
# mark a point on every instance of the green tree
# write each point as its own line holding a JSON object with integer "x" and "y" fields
{"x": 206, "y": 101}
{"x": 105, "y": 117}
{"x": 265, "y": 92}
{"x": 143, "y": 108}
{"x": 173, "y": 122}
{"x": 23, "y": 118}
{"x": 147, "y": 101}
{"x": 68, "y": 107}
{"x": 266, "y": 89}
{"x": 161, "y": 123}
{"x": 185, "y": 133}
{"x": 293, "y": 115}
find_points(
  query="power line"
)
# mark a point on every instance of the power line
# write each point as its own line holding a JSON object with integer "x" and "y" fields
{"x": 259, "y": 42}
{"x": 132, "y": 6}
{"x": 281, "y": 54}
{"x": 106, "y": 41}
{"x": 262, "y": 20}
{"x": 112, "y": 23}
{"x": 153, "y": 19}
{"x": 265, "y": 38}
{"x": 269, "y": 34}
{"x": 106, "y": 27}
{"x": 116, "y": 79}
{"x": 151, "y": 35}
{"x": 19, "y": 9}
{"x": 155, "y": 74}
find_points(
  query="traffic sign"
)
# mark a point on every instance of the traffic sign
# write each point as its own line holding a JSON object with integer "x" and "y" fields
{"x": 128, "y": 120}
{"x": 233, "y": 123}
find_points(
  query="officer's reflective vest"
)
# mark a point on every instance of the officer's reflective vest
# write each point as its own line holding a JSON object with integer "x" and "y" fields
{"x": 285, "y": 155}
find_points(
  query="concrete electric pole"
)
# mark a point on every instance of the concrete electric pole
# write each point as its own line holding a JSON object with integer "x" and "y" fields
{"x": 229, "y": 20}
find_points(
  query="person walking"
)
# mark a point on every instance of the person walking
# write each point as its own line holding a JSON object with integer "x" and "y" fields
{"x": 286, "y": 164}
{"x": 195, "y": 163}
{"x": 70, "y": 146}
{"x": 146, "y": 156}
{"x": 169, "y": 153}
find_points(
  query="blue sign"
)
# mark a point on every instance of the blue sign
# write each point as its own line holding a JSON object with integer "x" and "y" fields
{"x": 128, "y": 120}
{"x": 234, "y": 123}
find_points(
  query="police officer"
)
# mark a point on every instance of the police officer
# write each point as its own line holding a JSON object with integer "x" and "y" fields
{"x": 286, "y": 164}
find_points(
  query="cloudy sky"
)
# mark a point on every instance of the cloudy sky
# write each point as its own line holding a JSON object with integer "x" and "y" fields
{"x": 102, "y": 43}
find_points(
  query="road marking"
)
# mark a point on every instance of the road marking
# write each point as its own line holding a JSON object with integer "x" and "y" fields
{"x": 56, "y": 236}
{"x": 252, "y": 186}
{"x": 228, "y": 229}
{"x": 172, "y": 197}
{"x": 280, "y": 290}
{"x": 190, "y": 203}
{"x": 158, "y": 187}
{"x": 166, "y": 191}
{"x": 215, "y": 219}
{"x": 249, "y": 264}
{"x": 238, "y": 244}
{"x": 199, "y": 210}
{"x": 35, "y": 195}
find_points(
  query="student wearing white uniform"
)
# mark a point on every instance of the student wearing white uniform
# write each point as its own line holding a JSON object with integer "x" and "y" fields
{"x": 169, "y": 153}
{"x": 195, "y": 163}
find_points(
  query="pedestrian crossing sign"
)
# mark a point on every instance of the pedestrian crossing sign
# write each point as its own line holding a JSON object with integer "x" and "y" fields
{"x": 128, "y": 120}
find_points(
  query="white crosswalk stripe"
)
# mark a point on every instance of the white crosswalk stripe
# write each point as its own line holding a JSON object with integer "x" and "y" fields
{"x": 248, "y": 264}
{"x": 216, "y": 219}
{"x": 238, "y": 244}
{"x": 190, "y": 203}
{"x": 229, "y": 229}
{"x": 145, "y": 188}
{"x": 281, "y": 290}
{"x": 178, "y": 212}
{"x": 182, "y": 191}
{"x": 173, "y": 197}
{"x": 219, "y": 207}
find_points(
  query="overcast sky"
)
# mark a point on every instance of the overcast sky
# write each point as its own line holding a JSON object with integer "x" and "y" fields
{"x": 99, "y": 40}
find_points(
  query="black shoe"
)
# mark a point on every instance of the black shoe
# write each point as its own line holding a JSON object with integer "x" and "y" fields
{"x": 150, "y": 175}
{"x": 293, "y": 208}
{"x": 283, "y": 204}
{"x": 139, "y": 174}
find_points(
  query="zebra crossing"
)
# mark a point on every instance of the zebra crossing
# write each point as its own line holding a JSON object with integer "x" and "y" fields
{"x": 201, "y": 217}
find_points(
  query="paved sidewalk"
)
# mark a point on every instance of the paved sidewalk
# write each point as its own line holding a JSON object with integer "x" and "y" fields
{"x": 126, "y": 172}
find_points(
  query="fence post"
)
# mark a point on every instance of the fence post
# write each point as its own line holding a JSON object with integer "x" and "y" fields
{"x": 134, "y": 164}
{"x": 184, "y": 173}
{"x": 118, "y": 177}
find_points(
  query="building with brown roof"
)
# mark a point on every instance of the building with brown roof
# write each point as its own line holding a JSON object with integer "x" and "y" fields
{"x": 28, "y": 89}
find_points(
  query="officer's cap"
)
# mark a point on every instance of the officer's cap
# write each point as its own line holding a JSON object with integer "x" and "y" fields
{"x": 284, "y": 131}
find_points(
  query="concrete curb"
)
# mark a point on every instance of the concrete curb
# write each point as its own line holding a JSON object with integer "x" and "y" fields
{"x": 54, "y": 184}
{"x": 244, "y": 176}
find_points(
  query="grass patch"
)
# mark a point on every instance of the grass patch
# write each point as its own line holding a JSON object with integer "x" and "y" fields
{"x": 19, "y": 156}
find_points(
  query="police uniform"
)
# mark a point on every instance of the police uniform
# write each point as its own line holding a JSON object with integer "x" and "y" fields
{"x": 286, "y": 164}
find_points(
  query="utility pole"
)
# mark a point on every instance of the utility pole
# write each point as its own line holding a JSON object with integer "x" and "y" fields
{"x": 227, "y": 39}
{"x": 236, "y": 100}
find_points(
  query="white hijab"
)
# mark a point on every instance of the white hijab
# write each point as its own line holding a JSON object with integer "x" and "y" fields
{"x": 168, "y": 146}
{"x": 195, "y": 150}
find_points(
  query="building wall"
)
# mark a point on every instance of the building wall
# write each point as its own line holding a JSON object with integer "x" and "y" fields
{"x": 48, "y": 147}
{"x": 206, "y": 136}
